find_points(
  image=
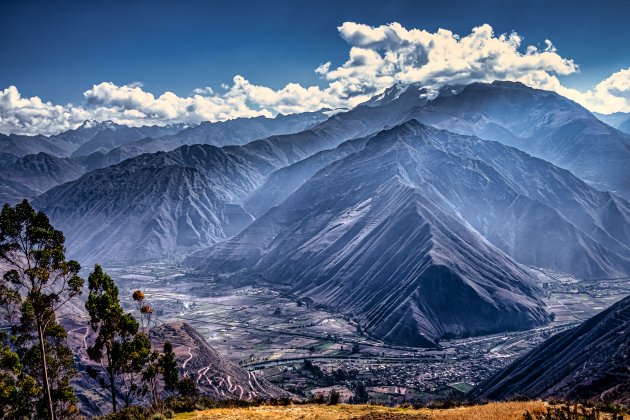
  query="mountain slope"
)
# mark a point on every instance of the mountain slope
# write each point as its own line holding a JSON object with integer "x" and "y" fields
{"x": 215, "y": 376}
{"x": 31, "y": 175}
{"x": 591, "y": 361}
{"x": 625, "y": 126}
{"x": 366, "y": 236}
{"x": 151, "y": 206}
{"x": 539, "y": 122}
{"x": 615, "y": 119}
{"x": 537, "y": 213}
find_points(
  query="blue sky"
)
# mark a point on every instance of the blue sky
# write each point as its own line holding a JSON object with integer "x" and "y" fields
{"x": 58, "y": 49}
{"x": 149, "y": 62}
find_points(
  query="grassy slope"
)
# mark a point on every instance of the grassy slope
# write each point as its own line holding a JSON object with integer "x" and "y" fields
{"x": 492, "y": 411}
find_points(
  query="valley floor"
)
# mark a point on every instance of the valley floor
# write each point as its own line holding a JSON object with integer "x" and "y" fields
{"x": 491, "y": 411}
{"x": 271, "y": 334}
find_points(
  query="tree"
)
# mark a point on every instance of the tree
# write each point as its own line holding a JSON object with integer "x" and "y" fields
{"x": 361, "y": 395}
{"x": 152, "y": 369}
{"x": 136, "y": 354}
{"x": 18, "y": 390}
{"x": 187, "y": 387}
{"x": 115, "y": 330}
{"x": 59, "y": 360}
{"x": 41, "y": 281}
{"x": 334, "y": 397}
{"x": 168, "y": 367}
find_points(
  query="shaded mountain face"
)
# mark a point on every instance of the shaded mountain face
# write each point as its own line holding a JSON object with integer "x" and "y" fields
{"x": 6, "y": 160}
{"x": 31, "y": 175}
{"x": 151, "y": 206}
{"x": 625, "y": 126}
{"x": 371, "y": 236}
{"x": 588, "y": 362}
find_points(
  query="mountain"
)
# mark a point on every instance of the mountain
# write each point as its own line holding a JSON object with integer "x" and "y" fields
{"x": 85, "y": 139}
{"x": 625, "y": 126}
{"x": 615, "y": 119}
{"x": 369, "y": 235}
{"x": 277, "y": 166}
{"x": 537, "y": 213}
{"x": 31, "y": 175}
{"x": 110, "y": 135}
{"x": 216, "y": 377}
{"x": 96, "y": 139}
{"x": 238, "y": 131}
{"x": 538, "y": 122}
{"x": 588, "y": 362}
{"x": 19, "y": 145}
{"x": 542, "y": 123}
{"x": 150, "y": 206}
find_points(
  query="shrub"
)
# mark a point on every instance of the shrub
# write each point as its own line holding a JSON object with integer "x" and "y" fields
{"x": 334, "y": 397}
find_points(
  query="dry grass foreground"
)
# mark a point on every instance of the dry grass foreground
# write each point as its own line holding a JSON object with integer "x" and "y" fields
{"x": 492, "y": 411}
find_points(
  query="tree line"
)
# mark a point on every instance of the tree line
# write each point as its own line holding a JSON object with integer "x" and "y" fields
{"x": 36, "y": 364}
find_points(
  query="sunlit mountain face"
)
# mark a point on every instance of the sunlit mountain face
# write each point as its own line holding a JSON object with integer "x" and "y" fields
{"x": 400, "y": 205}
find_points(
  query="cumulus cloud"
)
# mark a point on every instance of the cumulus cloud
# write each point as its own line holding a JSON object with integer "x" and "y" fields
{"x": 34, "y": 116}
{"x": 610, "y": 95}
{"x": 378, "y": 57}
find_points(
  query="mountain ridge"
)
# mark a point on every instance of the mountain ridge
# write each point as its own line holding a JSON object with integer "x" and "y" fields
{"x": 588, "y": 362}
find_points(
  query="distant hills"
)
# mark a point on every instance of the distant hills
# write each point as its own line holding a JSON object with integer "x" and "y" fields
{"x": 98, "y": 145}
{"x": 618, "y": 120}
{"x": 588, "y": 362}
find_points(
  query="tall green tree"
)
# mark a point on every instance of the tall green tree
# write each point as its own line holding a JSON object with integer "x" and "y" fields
{"x": 18, "y": 390}
{"x": 137, "y": 354}
{"x": 116, "y": 331}
{"x": 59, "y": 360}
{"x": 42, "y": 281}
{"x": 168, "y": 368}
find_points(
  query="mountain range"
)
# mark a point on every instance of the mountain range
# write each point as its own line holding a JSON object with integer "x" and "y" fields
{"x": 98, "y": 145}
{"x": 416, "y": 213}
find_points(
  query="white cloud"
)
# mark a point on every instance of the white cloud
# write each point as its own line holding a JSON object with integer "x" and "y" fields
{"x": 204, "y": 91}
{"x": 34, "y": 116}
{"x": 608, "y": 96}
{"x": 391, "y": 53}
{"x": 378, "y": 57}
